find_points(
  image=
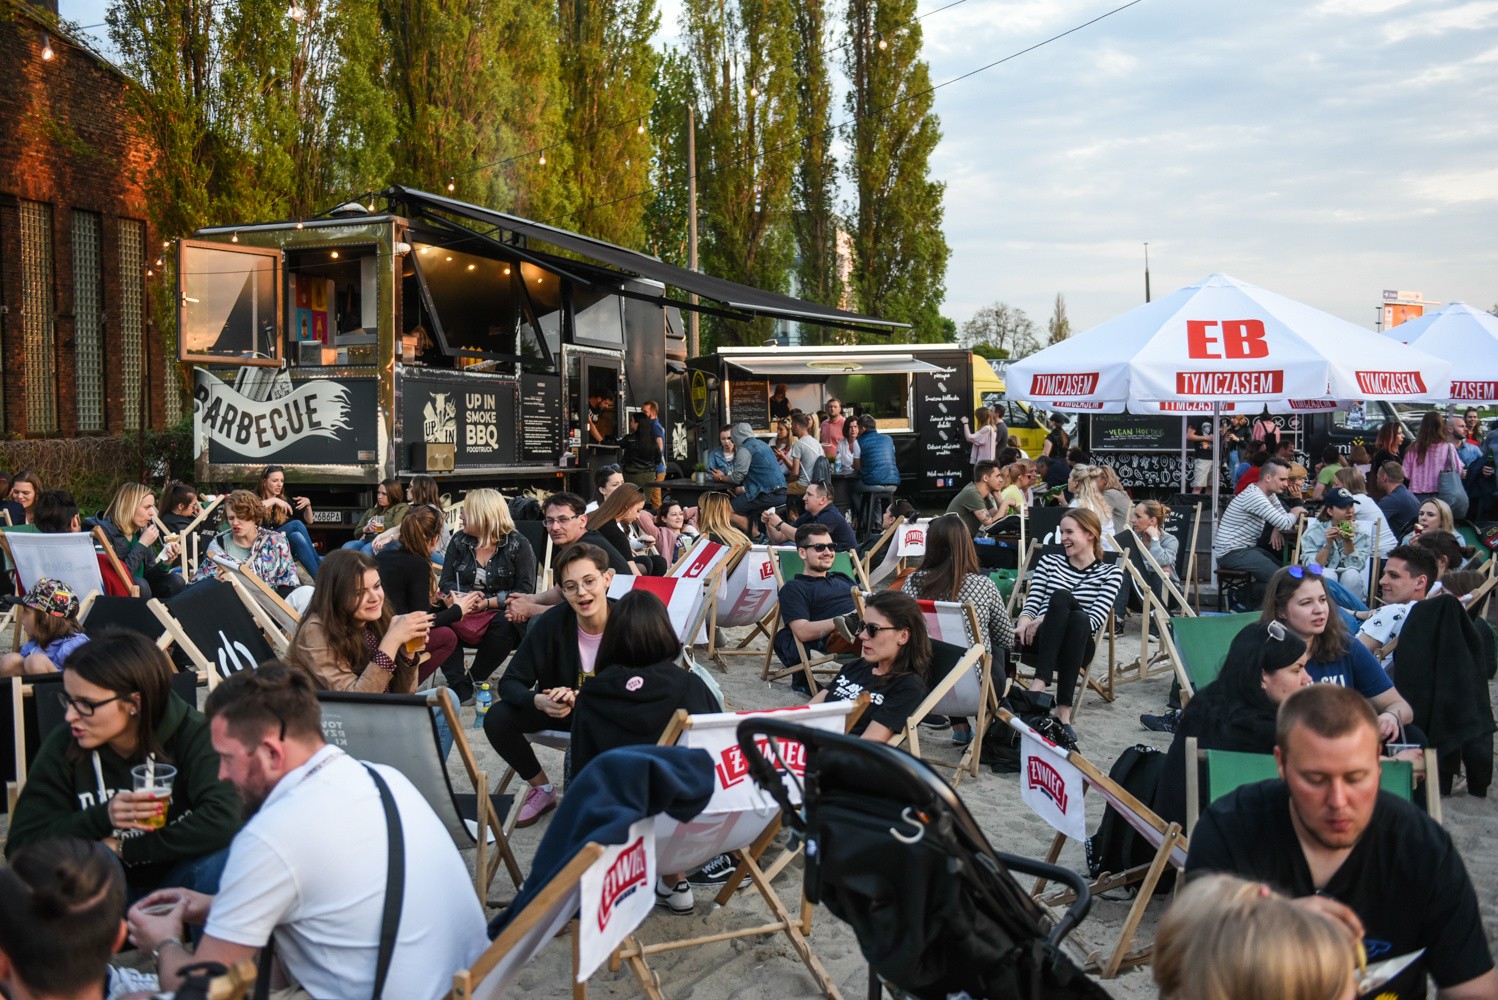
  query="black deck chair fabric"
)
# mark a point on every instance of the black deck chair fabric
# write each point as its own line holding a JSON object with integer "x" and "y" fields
{"x": 133, "y": 614}
{"x": 892, "y": 851}
{"x": 38, "y": 718}
{"x": 221, "y": 627}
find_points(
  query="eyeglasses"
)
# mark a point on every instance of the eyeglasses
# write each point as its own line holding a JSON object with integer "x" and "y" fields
{"x": 83, "y": 706}
{"x": 820, "y": 546}
{"x": 586, "y": 583}
{"x": 1299, "y": 572}
{"x": 555, "y": 522}
{"x": 1276, "y": 631}
{"x": 871, "y": 630}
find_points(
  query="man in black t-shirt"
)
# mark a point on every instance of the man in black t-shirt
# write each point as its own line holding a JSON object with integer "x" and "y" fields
{"x": 811, "y": 599}
{"x": 1325, "y": 834}
{"x": 819, "y": 510}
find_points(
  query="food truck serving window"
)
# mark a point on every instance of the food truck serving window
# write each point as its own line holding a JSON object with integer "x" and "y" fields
{"x": 886, "y": 396}
{"x": 481, "y": 304}
{"x": 229, "y": 304}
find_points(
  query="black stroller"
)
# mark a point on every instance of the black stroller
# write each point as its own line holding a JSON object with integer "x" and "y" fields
{"x": 892, "y": 851}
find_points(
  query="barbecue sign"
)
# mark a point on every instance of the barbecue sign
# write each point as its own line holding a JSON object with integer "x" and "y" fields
{"x": 321, "y": 421}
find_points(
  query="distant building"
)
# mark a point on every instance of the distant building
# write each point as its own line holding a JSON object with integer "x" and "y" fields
{"x": 79, "y": 351}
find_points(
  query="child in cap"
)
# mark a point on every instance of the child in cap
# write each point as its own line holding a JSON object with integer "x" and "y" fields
{"x": 49, "y": 617}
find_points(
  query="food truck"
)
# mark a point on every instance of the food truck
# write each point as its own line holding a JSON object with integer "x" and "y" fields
{"x": 918, "y": 393}
{"x": 436, "y": 337}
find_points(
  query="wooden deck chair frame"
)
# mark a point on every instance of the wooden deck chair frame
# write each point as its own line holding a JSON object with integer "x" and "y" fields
{"x": 876, "y": 551}
{"x": 484, "y": 867}
{"x": 1479, "y": 597}
{"x": 1146, "y": 664}
{"x": 277, "y": 619}
{"x": 763, "y": 627}
{"x": 21, "y": 688}
{"x": 1189, "y": 582}
{"x": 1426, "y": 766}
{"x": 809, "y": 665}
{"x": 797, "y": 928}
{"x": 1173, "y": 652}
{"x": 1168, "y": 840}
{"x": 101, "y": 542}
{"x": 711, "y": 587}
{"x": 188, "y": 536}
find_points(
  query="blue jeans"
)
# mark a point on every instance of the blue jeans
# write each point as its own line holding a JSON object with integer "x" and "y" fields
{"x": 301, "y": 545}
{"x": 1346, "y": 601}
{"x": 444, "y": 732}
{"x": 198, "y": 874}
{"x": 358, "y": 545}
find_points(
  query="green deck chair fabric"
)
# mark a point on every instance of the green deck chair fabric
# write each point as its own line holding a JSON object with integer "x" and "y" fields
{"x": 1203, "y": 643}
{"x": 1229, "y": 769}
{"x": 791, "y": 563}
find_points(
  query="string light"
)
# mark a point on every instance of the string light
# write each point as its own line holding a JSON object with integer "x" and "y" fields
{"x": 47, "y": 52}
{"x": 640, "y": 129}
{"x": 335, "y": 254}
{"x": 296, "y": 13}
{"x": 753, "y": 90}
{"x": 883, "y": 42}
{"x": 543, "y": 159}
{"x": 452, "y": 185}
{"x": 235, "y": 237}
{"x": 299, "y": 223}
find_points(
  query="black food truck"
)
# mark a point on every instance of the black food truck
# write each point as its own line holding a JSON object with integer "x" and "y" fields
{"x": 436, "y": 337}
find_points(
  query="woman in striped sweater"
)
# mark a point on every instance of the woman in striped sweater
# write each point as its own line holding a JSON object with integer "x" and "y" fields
{"x": 1071, "y": 595}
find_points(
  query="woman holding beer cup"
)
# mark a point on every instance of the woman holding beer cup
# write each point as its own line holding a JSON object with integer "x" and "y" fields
{"x": 125, "y": 731}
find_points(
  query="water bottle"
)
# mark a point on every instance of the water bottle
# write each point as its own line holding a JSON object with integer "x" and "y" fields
{"x": 481, "y": 702}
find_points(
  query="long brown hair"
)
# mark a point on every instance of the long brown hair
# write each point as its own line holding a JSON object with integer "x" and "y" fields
{"x": 950, "y": 558}
{"x": 615, "y": 504}
{"x": 1332, "y": 643}
{"x": 903, "y": 612}
{"x": 335, "y": 598}
{"x": 127, "y": 663}
{"x": 1432, "y": 434}
{"x": 418, "y": 530}
{"x": 424, "y": 490}
{"x": 46, "y": 629}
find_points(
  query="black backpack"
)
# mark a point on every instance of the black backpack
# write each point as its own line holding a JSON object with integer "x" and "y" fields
{"x": 1116, "y": 847}
{"x": 1001, "y": 751}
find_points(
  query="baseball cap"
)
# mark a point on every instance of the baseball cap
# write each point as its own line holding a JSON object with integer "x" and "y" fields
{"x": 1338, "y": 497}
{"x": 49, "y": 597}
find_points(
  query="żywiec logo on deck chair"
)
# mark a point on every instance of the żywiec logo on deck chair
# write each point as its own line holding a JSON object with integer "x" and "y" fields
{"x": 892, "y": 851}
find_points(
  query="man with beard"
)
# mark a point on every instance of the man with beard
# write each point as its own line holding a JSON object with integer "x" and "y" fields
{"x": 1326, "y": 835}
{"x": 310, "y": 867}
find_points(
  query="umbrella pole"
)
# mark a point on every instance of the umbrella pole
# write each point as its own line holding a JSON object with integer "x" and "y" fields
{"x": 1216, "y": 459}
{"x": 1185, "y": 465}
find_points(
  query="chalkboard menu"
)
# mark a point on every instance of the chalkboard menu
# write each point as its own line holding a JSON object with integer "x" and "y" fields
{"x": 1129, "y": 432}
{"x": 750, "y": 401}
{"x": 941, "y": 401}
{"x": 1158, "y": 471}
{"x": 540, "y": 418}
{"x": 476, "y": 415}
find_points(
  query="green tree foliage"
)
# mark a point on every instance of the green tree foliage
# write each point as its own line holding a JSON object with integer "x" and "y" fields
{"x": 666, "y": 215}
{"x": 815, "y": 220}
{"x": 747, "y": 126}
{"x": 1059, "y": 327}
{"x": 608, "y": 68}
{"x": 899, "y": 252}
{"x": 1008, "y": 331}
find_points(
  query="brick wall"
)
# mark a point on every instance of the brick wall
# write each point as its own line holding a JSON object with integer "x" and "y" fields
{"x": 67, "y": 142}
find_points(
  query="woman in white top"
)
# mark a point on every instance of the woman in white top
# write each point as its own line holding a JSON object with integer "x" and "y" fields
{"x": 847, "y": 448}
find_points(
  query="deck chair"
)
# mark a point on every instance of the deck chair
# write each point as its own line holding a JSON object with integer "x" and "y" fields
{"x": 880, "y": 560}
{"x": 786, "y": 563}
{"x": 188, "y": 553}
{"x": 738, "y": 818}
{"x": 1185, "y": 523}
{"x": 214, "y": 632}
{"x": 1042, "y": 523}
{"x": 535, "y": 533}
{"x": 684, "y": 600}
{"x": 1197, "y": 646}
{"x": 277, "y": 619}
{"x": 104, "y": 556}
{"x": 747, "y": 595}
{"x": 1227, "y": 770}
{"x": 400, "y": 731}
{"x": 965, "y": 688}
{"x": 704, "y": 562}
{"x": 69, "y": 557}
{"x": 134, "y": 614}
{"x": 1167, "y": 839}
{"x": 936, "y": 910}
{"x": 1145, "y": 584}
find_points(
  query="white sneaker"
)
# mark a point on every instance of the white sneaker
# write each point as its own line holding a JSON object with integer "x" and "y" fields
{"x": 678, "y": 897}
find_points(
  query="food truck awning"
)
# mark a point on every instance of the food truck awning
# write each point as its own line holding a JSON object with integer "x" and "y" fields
{"x": 822, "y": 366}
{"x": 741, "y": 298}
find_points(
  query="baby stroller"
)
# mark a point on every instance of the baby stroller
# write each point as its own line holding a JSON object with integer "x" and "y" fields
{"x": 892, "y": 851}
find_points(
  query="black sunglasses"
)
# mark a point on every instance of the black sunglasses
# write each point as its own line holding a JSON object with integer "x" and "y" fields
{"x": 610, "y": 469}
{"x": 820, "y": 546}
{"x": 871, "y": 630}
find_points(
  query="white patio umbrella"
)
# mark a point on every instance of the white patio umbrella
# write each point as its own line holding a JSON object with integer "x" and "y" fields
{"x": 1466, "y": 337}
{"x": 1222, "y": 341}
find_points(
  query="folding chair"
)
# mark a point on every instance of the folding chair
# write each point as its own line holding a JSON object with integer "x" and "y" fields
{"x": 214, "y": 631}
{"x": 1167, "y": 839}
{"x": 739, "y": 818}
{"x": 277, "y": 619}
{"x": 1142, "y": 575}
{"x": 400, "y": 731}
{"x": 965, "y": 689}
{"x": 1186, "y": 563}
{"x": 705, "y": 561}
{"x": 134, "y": 614}
{"x": 1086, "y": 678}
{"x": 1198, "y": 646}
{"x": 70, "y": 557}
{"x": 535, "y": 532}
{"x": 883, "y": 549}
{"x": 29, "y": 720}
{"x": 747, "y": 595}
{"x": 187, "y": 538}
{"x": 103, "y": 549}
{"x": 1043, "y": 524}
{"x": 786, "y": 563}
{"x": 684, "y": 599}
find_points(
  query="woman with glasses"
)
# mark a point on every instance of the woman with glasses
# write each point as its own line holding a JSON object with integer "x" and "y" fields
{"x": 289, "y": 515}
{"x": 894, "y": 667}
{"x": 949, "y": 571}
{"x": 557, "y": 656}
{"x": 1265, "y": 665}
{"x": 1298, "y": 598}
{"x": 121, "y": 713}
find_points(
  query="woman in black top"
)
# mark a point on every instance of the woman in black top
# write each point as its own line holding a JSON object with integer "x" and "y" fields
{"x": 614, "y": 517}
{"x": 893, "y": 669}
{"x": 490, "y": 557}
{"x": 409, "y": 579}
{"x": 639, "y": 453}
{"x": 1265, "y": 665}
{"x": 1057, "y": 441}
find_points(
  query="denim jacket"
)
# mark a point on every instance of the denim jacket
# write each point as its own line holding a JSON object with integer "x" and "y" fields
{"x": 511, "y": 568}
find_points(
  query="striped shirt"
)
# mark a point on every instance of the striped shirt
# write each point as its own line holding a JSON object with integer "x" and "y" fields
{"x": 1094, "y": 588}
{"x": 1243, "y": 522}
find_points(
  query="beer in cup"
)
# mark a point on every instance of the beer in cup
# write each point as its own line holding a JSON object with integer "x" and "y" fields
{"x": 157, "y": 779}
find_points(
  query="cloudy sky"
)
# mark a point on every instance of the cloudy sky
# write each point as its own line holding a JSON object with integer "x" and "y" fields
{"x": 1325, "y": 149}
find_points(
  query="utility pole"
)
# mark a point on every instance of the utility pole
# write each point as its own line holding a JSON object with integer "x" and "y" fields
{"x": 694, "y": 343}
{"x": 1146, "y": 272}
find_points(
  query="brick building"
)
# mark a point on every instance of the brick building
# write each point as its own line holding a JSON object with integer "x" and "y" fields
{"x": 79, "y": 351}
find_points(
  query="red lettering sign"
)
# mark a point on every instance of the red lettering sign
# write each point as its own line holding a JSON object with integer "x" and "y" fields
{"x": 915, "y": 536}
{"x": 625, "y": 875}
{"x": 1178, "y": 406}
{"x": 1311, "y": 404}
{"x": 765, "y": 572}
{"x": 700, "y": 562}
{"x": 1078, "y": 384}
{"x": 1474, "y": 390}
{"x": 1235, "y": 338}
{"x": 733, "y": 766}
{"x": 1079, "y": 405}
{"x": 1390, "y": 383}
{"x": 1230, "y": 383}
{"x": 1047, "y": 780}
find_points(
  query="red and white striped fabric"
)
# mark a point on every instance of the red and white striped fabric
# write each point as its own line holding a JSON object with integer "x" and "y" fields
{"x": 701, "y": 560}
{"x": 682, "y": 598}
{"x": 946, "y": 621}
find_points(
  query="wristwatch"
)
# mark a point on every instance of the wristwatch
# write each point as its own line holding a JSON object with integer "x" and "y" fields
{"x": 156, "y": 951}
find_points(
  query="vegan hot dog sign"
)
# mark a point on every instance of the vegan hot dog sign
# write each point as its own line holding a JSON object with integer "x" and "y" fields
{"x": 318, "y": 421}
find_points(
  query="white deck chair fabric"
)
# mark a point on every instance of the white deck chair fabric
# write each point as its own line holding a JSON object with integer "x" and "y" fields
{"x": 68, "y": 557}
{"x": 748, "y": 592}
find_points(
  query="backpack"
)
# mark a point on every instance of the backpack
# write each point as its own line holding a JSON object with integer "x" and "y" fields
{"x": 821, "y": 472}
{"x": 1001, "y": 743}
{"x": 1116, "y": 847}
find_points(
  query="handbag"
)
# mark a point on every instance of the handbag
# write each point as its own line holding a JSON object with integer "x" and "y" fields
{"x": 1449, "y": 485}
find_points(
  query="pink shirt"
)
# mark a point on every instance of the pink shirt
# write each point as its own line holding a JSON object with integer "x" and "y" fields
{"x": 832, "y": 433}
{"x": 587, "y": 650}
{"x": 1424, "y": 476}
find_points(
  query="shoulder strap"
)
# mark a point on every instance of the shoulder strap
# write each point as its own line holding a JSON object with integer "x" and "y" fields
{"x": 395, "y": 883}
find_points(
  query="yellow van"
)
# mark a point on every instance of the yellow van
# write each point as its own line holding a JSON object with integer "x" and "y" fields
{"x": 1025, "y": 422}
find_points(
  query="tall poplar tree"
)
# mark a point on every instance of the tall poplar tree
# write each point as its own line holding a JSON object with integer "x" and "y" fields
{"x": 608, "y": 69}
{"x": 899, "y": 252}
{"x": 815, "y": 220}
{"x": 743, "y": 55}
{"x": 666, "y": 215}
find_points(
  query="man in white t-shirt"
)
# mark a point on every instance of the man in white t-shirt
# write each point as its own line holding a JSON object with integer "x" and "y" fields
{"x": 1408, "y": 576}
{"x": 309, "y": 867}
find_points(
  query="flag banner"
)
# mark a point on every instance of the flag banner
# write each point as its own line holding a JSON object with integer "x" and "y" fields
{"x": 1050, "y": 784}
{"x": 617, "y": 894}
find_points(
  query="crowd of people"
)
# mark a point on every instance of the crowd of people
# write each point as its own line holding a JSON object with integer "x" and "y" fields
{"x": 1303, "y": 867}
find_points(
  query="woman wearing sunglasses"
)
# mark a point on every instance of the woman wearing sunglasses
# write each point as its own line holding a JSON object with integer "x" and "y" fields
{"x": 1298, "y": 598}
{"x": 893, "y": 668}
{"x": 1265, "y": 665}
{"x": 120, "y": 713}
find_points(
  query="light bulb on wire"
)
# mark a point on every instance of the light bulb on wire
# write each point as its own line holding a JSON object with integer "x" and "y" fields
{"x": 296, "y": 12}
{"x": 47, "y": 52}
{"x": 883, "y": 42}
{"x": 543, "y": 159}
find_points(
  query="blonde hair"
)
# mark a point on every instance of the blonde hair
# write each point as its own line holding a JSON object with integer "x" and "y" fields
{"x": 714, "y": 519}
{"x": 1086, "y": 485}
{"x": 1445, "y": 520}
{"x": 1110, "y": 479}
{"x": 1014, "y": 470}
{"x": 127, "y": 499}
{"x": 486, "y": 516}
{"x": 1351, "y": 479}
{"x": 1090, "y": 523}
{"x": 1228, "y": 939}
